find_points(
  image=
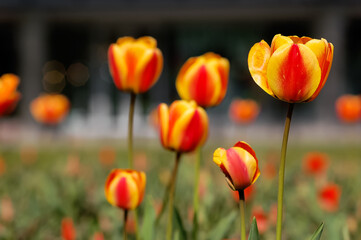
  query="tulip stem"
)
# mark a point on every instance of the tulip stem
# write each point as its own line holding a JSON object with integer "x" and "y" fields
{"x": 125, "y": 225}
{"x": 242, "y": 214}
{"x": 171, "y": 196}
{"x": 130, "y": 129}
{"x": 281, "y": 174}
{"x": 196, "y": 192}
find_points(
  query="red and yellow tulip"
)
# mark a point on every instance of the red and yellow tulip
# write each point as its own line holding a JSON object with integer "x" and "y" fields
{"x": 348, "y": 108}
{"x": 292, "y": 69}
{"x": 135, "y": 64}
{"x": 204, "y": 79}
{"x": 239, "y": 164}
{"x": 8, "y": 94}
{"x": 243, "y": 111}
{"x": 50, "y": 108}
{"x": 183, "y": 125}
{"x": 125, "y": 188}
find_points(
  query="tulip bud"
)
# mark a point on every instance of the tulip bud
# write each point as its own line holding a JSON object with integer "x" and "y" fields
{"x": 183, "y": 126}
{"x": 239, "y": 164}
{"x": 204, "y": 79}
{"x": 135, "y": 64}
{"x": 125, "y": 188}
{"x": 50, "y": 108}
{"x": 293, "y": 69}
{"x": 348, "y": 108}
{"x": 8, "y": 94}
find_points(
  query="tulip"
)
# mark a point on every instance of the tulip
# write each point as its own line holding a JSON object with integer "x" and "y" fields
{"x": 329, "y": 197}
{"x": 50, "y": 109}
{"x": 239, "y": 164}
{"x": 183, "y": 126}
{"x": 348, "y": 108}
{"x": 315, "y": 163}
{"x": 243, "y": 110}
{"x": 67, "y": 229}
{"x": 125, "y": 188}
{"x": 293, "y": 69}
{"x": 8, "y": 94}
{"x": 204, "y": 79}
{"x": 135, "y": 64}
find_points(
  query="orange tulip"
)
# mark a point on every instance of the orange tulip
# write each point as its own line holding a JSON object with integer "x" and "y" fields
{"x": 125, "y": 188}
{"x": 50, "y": 108}
{"x": 243, "y": 110}
{"x": 293, "y": 69}
{"x": 183, "y": 126}
{"x": 329, "y": 197}
{"x": 67, "y": 229}
{"x": 135, "y": 64}
{"x": 239, "y": 164}
{"x": 8, "y": 94}
{"x": 315, "y": 163}
{"x": 204, "y": 79}
{"x": 348, "y": 108}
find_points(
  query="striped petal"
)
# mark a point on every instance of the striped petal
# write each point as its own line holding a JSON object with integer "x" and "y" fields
{"x": 163, "y": 116}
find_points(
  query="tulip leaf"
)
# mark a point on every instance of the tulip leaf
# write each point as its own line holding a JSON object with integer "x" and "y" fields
{"x": 223, "y": 226}
{"x": 179, "y": 224}
{"x": 317, "y": 234}
{"x": 253, "y": 233}
{"x": 147, "y": 231}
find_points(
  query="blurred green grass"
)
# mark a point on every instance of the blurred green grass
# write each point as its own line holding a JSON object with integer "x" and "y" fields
{"x": 66, "y": 179}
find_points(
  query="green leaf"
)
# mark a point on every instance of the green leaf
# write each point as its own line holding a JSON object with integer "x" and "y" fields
{"x": 317, "y": 234}
{"x": 253, "y": 233}
{"x": 179, "y": 225}
{"x": 220, "y": 231}
{"x": 147, "y": 231}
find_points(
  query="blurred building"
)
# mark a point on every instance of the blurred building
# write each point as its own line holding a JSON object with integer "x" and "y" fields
{"x": 61, "y": 46}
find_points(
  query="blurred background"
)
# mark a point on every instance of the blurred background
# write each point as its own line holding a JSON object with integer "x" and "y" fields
{"x": 61, "y": 46}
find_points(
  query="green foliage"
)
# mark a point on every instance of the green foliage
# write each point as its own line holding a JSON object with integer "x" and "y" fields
{"x": 253, "y": 233}
{"x": 317, "y": 234}
{"x": 223, "y": 226}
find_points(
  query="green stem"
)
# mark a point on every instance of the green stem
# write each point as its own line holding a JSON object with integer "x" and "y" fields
{"x": 281, "y": 174}
{"x": 242, "y": 214}
{"x": 171, "y": 197}
{"x": 125, "y": 225}
{"x": 130, "y": 129}
{"x": 196, "y": 192}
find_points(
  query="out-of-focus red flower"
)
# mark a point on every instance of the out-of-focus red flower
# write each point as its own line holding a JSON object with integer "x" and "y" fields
{"x": 68, "y": 231}
{"x": 140, "y": 161}
{"x": 153, "y": 119}
{"x": 50, "y": 109}
{"x": 124, "y": 188}
{"x": 329, "y": 197}
{"x": 98, "y": 236}
{"x": 107, "y": 155}
{"x": 348, "y": 108}
{"x": 293, "y": 69}
{"x": 269, "y": 170}
{"x": 204, "y": 79}
{"x": 135, "y": 64}
{"x": 272, "y": 215}
{"x": 9, "y": 96}
{"x": 28, "y": 154}
{"x": 315, "y": 163}
{"x": 239, "y": 165}
{"x": 243, "y": 111}
{"x": 248, "y": 193}
{"x": 2, "y": 166}
{"x": 7, "y": 209}
{"x": 261, "y": 217}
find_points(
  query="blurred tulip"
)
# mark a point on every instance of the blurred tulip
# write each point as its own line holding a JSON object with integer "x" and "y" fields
{"x": 125, "y": 188}
{"x": 50, "y": 108}
{"x": 261, "y": 218}
{"x": 9, "y": 97}
{"x": 243, "y": 110}
{"x": 272, "y": 215}
{"x": 135, "y": 64}
{"x": 293, "y": 69}
{"x": 107, "y": 155}
{"x": 183, "y": 126}
{"x": 140, "y": 161}
{"x": 348, "y": 108}
{"x": 154, "y": 119}
{"x": 98, "y": 236}
{"x": 2, "y": 166}
{"x": 239, "y": 164}
{"x": 204, "y": 79}
{"x": 7, "y": 209}
{"x": 315, "y": 163}
{"x": 67, "y": 229}
{"x": 329, "y": 197}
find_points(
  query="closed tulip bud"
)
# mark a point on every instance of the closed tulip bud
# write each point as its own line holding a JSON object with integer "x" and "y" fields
{"x": 293, "y": 69}
{"x": 183, "y": 126}
{"x": 125, "y": 188}
{"x": 204, "y": 79}
{"x": 135, "y": 64}
{"x": 239, "y": 164}
{"x": 50, "y": 108}
{"x": 8, "y": 94}
{"x": 348, "y": 108}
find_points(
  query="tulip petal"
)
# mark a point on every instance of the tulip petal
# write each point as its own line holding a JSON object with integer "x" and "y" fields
{"x": 182, "y": 83}
{"x": 236, "y": 166}
{"x": 279, "y": 40}
{"x": 148, "y": 70}
{"x": 223, "y": 70}
{"x": 258, "y": 58}
{"x": 163, "y": 116}
{"x": 293, "y": 73}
